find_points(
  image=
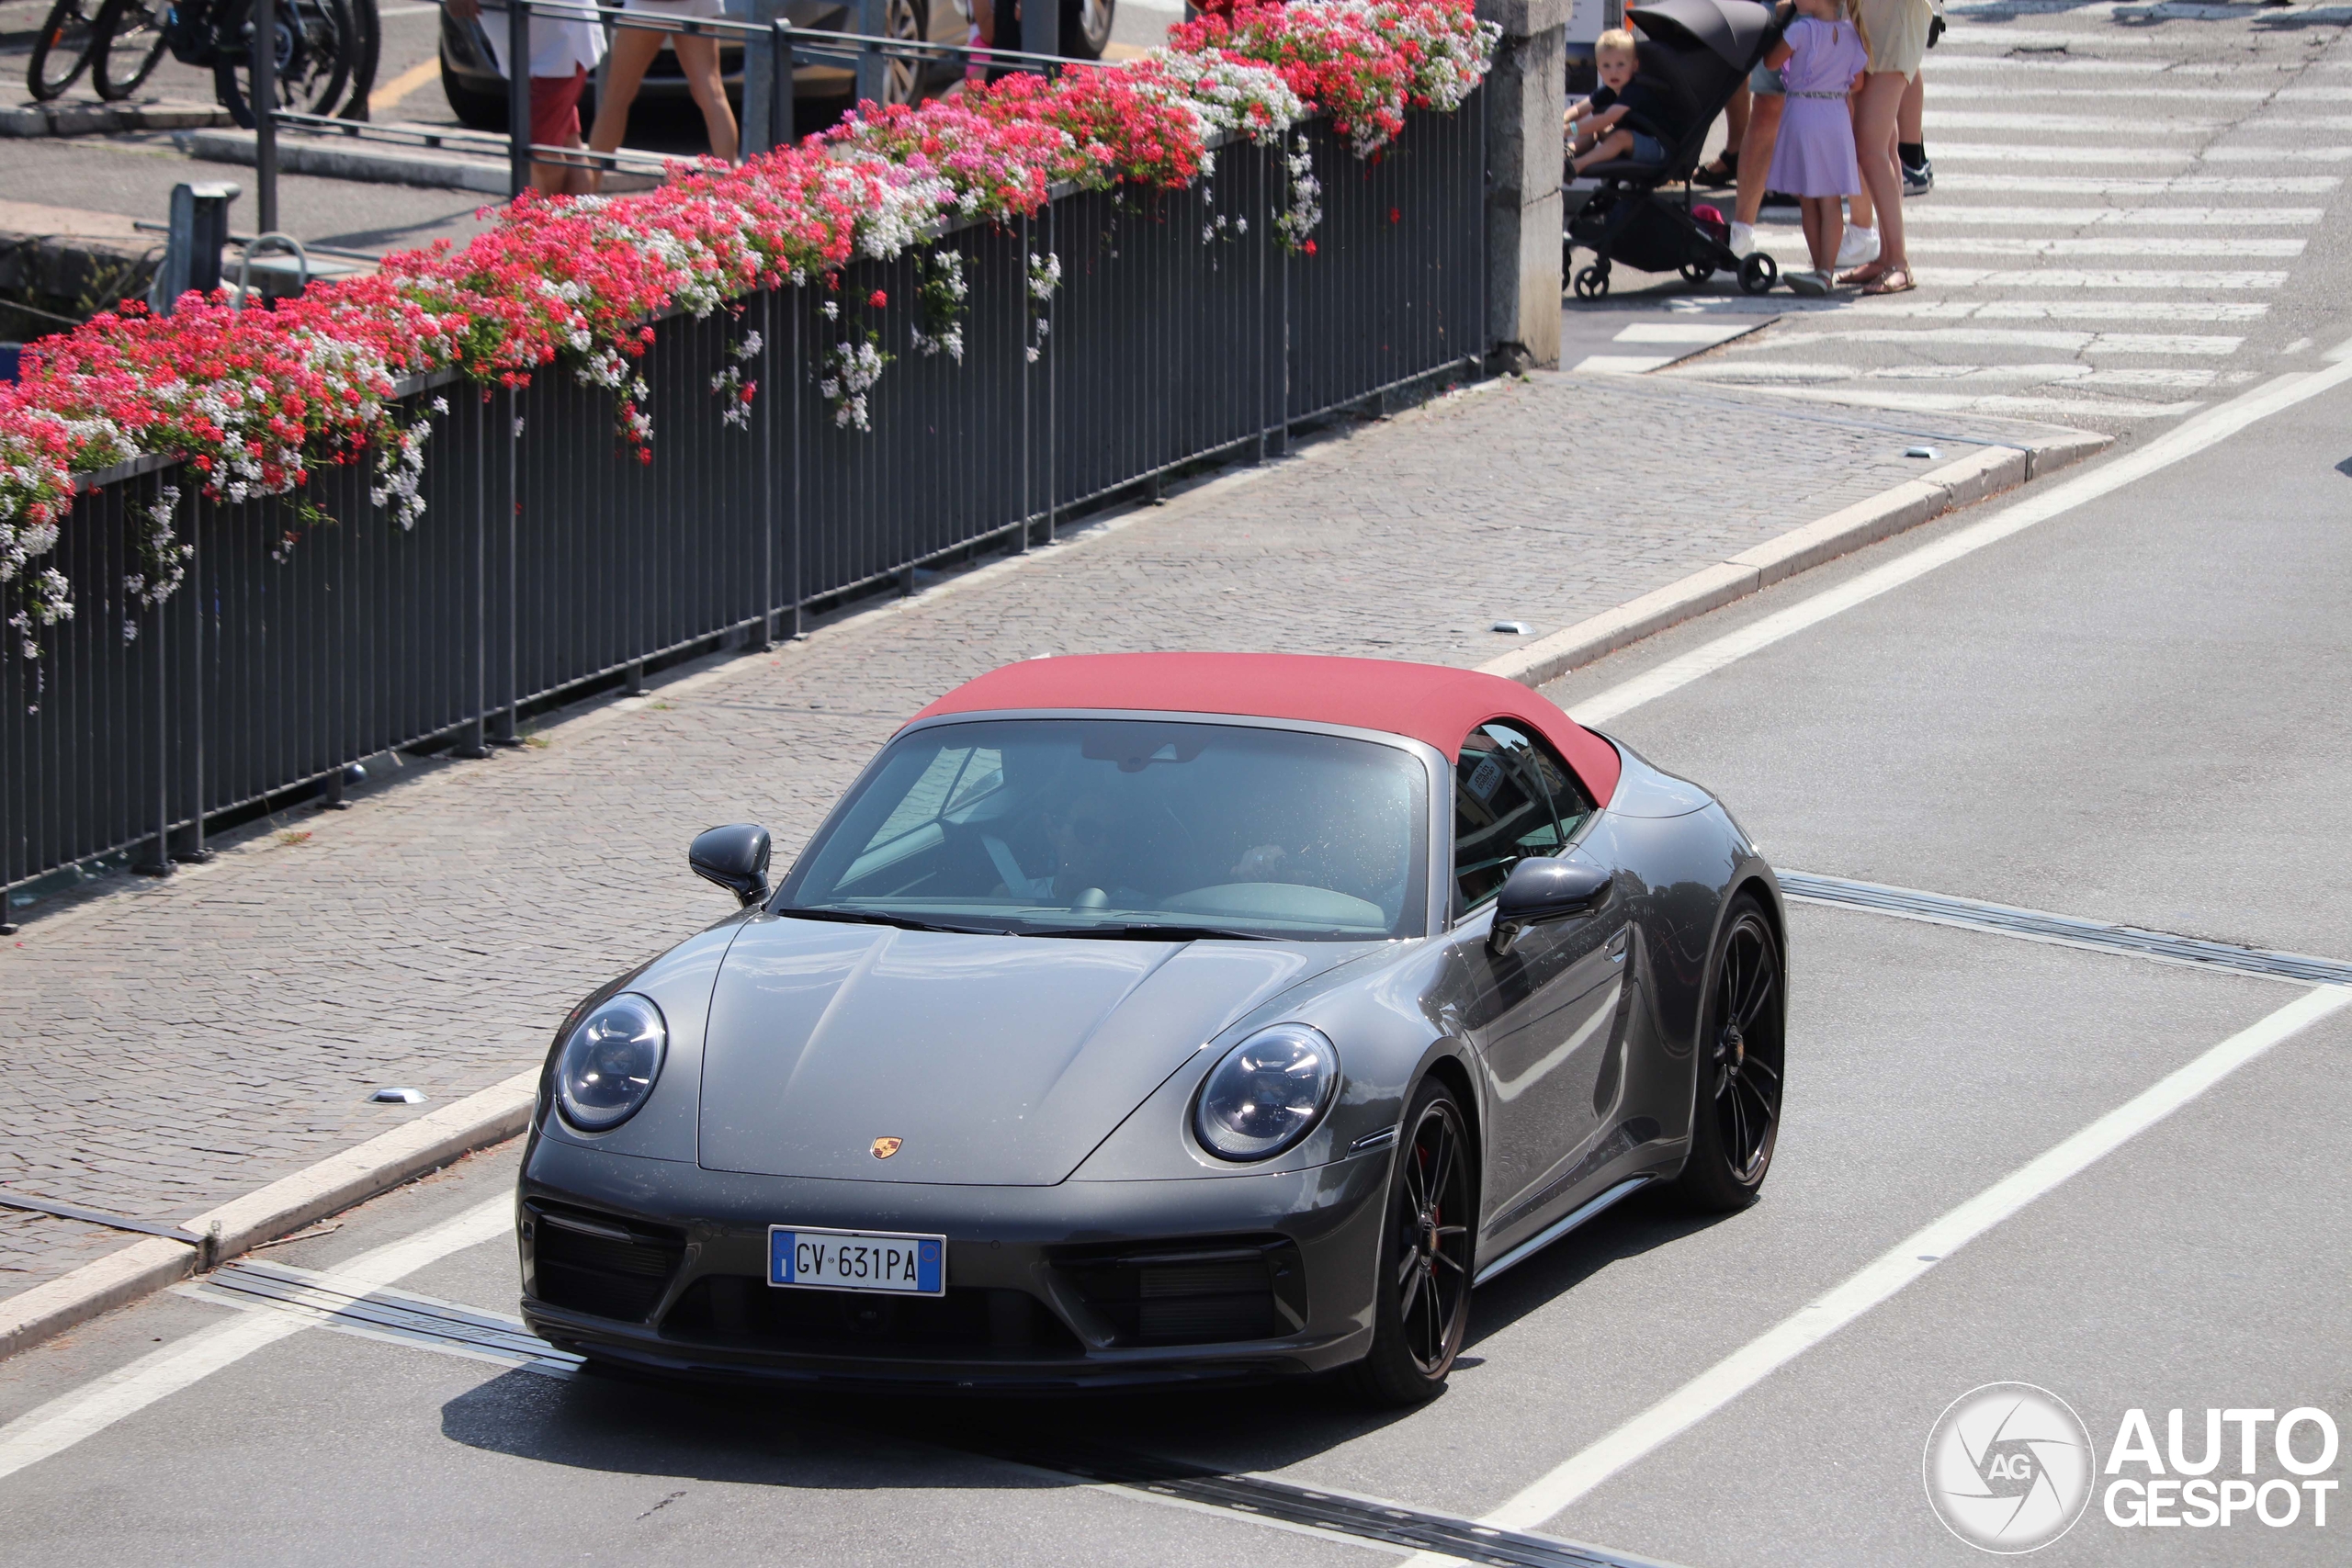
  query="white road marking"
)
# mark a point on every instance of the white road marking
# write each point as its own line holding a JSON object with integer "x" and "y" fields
{"x": 1876, "y": 395}
{"x": 2250, "y": 246}
{"x": 2015, "y": 337}
{"x": 2208, "y": 429}
{"x": 1622, "y": 364}
{"x": 2008, "y": 119}
{"x": 2136, "y": 157}
{"x": 1902, "y": 1265}
{"x": 64, "y": 1421}
{"x": 2302, "y": 127}
{"x": 1936, "y": 214}
{"x": 2074, "y": 374}
{"x": 2079, "y": 278}
{"x": 1700, "y": 332}
{"x": 2128, "y": 185}
{"x": 1971, "y": 92}
{"x": 2059, "y": 310}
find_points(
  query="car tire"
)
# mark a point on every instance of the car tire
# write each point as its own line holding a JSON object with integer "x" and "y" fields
{"x": 1742, "y": 1055}
{"x": 1086, "y": 28}
{"x": 1421, "y": 1282}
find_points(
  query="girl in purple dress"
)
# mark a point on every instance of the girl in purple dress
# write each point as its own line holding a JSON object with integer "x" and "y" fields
{"x": 1821, "y": 58}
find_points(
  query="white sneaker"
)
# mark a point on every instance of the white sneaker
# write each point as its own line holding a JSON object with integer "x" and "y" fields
{"x": 1742, "y": 238}
{"x": 1859, "y": 248}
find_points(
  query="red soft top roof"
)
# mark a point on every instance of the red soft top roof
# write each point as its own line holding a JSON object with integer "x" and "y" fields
{"x": 1424, "y": 701}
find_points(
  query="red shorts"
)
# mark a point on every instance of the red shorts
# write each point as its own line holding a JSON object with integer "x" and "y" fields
{"x": 555, "y": 108}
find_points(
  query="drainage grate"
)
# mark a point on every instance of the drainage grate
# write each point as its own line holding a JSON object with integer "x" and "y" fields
{"x": 2037, "y": 925}
{"x": 430, "y": 1323}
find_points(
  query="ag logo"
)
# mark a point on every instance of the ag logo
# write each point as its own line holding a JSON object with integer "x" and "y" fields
{"x": 2009, "y": 1467}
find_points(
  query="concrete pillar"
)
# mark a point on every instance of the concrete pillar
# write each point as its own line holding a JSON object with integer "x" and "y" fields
{"x": 1526, "y": 94}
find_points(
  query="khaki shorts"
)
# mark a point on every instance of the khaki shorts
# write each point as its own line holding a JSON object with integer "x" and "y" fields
{"x": 1898, "y": 33}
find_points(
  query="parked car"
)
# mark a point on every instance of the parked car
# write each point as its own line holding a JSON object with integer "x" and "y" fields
{"x": 1157, "y": 1018}
{"x": 477, "y": 93}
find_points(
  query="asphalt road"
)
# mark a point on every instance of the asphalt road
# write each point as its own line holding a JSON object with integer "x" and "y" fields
{"x": 2129, "y": 711}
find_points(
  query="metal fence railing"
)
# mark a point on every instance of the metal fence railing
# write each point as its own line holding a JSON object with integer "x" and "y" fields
{"x": 549, "y": 557}
{"x": 773, "y": 52}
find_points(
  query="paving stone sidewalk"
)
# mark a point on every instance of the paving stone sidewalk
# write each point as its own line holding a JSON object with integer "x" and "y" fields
{"x": 178, "y": 1044}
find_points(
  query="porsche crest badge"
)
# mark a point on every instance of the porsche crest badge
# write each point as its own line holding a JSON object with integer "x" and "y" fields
{"x": 884, "y": 1147}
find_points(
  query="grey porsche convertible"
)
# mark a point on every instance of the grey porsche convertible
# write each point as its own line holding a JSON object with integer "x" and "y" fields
{"x": 1157, "y": 1018}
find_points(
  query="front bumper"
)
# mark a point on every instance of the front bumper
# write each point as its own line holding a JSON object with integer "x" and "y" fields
{"x": 662, "y": 1265}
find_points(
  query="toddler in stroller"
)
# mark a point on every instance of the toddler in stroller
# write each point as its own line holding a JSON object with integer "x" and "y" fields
{"x": 1692, "y": 56}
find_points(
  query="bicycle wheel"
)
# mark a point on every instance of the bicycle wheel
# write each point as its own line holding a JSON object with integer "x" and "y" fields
{"x": 130, "y": 42}
{"x": 316, "y": 47}
{"x": 62, "y": 49}
{"x": 368, "y": 23}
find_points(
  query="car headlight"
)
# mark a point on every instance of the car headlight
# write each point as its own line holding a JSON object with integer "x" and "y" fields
{"x": 608, "y": 1064}
{"x": 1267, "y": 1093}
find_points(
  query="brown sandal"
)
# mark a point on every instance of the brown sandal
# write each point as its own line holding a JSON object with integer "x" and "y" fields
{"x": 1885, "y": 282}
{"x": 1869, "y": 272}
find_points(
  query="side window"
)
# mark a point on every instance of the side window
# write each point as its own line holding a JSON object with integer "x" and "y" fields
{"x": 1512, "y": 798}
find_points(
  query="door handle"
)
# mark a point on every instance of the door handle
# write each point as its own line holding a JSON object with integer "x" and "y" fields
{"x": 1617, "y": 945}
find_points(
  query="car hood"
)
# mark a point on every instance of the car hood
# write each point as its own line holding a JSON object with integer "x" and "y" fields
{"x": 995, "y": 1060}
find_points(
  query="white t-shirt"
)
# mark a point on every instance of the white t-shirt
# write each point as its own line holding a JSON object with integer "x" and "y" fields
{"x": 559, "y": 44}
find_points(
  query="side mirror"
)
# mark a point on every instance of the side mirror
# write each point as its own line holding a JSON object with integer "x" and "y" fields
{"x": 1540, "y": 892}
{"x": 735, "y": 857}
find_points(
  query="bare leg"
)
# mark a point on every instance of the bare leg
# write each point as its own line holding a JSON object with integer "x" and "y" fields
{"x": 699, "y": 57}
{"x": 1914, "y": 107}
{"x": 633, "y": 50}
{"x": 1616, "y": 144}
{"x": 1881, "y": 177}
{"x": 1857, "y": 206}
{"x": 1755, "y": 155}
{"x": 1735, "y": 115}
{"x": 1825, "y": 228}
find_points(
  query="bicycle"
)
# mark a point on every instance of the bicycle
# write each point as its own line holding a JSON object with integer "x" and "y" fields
{"x": 317, "y": 45}
{"x": 61, "y": 50}
{"x": 133, "y": 34}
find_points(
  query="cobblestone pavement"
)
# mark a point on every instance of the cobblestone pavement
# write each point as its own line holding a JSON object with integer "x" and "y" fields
{"x": 180, "y": 1043}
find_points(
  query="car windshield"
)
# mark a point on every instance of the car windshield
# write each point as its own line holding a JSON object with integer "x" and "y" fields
{"x": 1118, "y": 827}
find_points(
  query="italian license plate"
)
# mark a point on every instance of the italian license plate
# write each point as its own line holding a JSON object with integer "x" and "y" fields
{"x": 857, "y": 1260}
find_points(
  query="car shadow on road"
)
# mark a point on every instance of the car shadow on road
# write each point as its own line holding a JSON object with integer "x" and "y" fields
{"x": 758, "y": 1435}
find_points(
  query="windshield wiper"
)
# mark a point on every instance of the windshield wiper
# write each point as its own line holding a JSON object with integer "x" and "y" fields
{"x": 1144, "y": 933}
{"x": 878, "y": 917}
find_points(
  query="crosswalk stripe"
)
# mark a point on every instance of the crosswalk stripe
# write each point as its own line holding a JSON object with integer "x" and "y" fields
{"x": 1948, "y": 92}
{"x": 2074, "y": 376}
{"x": 2091, "y": 216}
{"x": 1776, "y": 240}
{"x": 2005, "y": 119}
{"x": 2302, "y": 126}
{"x": 2018, "y": 338}
{"x": 1963, "y": 403}
{"x": 2138, "y": 157}
{"x": 2035, "y": 277}
{"x": 1911, "y": 307}
{"x": 2122, "y": 185}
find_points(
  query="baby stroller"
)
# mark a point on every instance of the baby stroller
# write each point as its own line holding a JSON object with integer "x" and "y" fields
{"x": 1693, "y": 54}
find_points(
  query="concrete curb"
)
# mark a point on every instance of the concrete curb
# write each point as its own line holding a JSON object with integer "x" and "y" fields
{"x": 375, "y": 162}
{"x": 1956, "y": 484}
{"x": 283, "y": 1207}
{"x": 504, "y": 1110}
{"x": 101, "y": 119}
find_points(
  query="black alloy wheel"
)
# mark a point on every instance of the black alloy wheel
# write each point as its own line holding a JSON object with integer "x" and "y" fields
{"x": 1742, "y": 1056}
{"x": 61, "y": 48}
{"x": 904, "y": 21}
{"x": 1421, "y": 1305}
{"x": 131, "y": 44}
{"x": 1086, "y": 28}
{"x": 317, "y": 45}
